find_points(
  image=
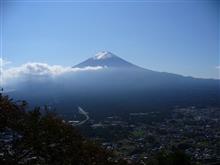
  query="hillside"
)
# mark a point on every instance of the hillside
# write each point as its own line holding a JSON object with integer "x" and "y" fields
{"x": 33, "y": 137}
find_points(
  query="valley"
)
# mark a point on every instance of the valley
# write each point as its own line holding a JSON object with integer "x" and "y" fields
{"x": 196, "y": 131}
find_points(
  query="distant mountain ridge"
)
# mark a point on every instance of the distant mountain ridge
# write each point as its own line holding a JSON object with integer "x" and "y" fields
{"x": 119, "y": 88}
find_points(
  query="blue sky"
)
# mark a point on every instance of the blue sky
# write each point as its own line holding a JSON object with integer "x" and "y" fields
{"x": 172, "y": 36}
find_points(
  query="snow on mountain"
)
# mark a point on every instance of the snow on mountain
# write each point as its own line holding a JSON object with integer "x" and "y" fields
{"x": 103, "y": 55}
{"x": 106, "y": 59}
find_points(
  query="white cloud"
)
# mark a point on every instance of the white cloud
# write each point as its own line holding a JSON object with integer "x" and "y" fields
{"x": 217, "y": 67}
{"x": 42, "y": 69}
{"x": 4, "y": 62}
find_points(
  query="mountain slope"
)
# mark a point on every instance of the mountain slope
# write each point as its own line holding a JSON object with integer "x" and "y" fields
{"x": 106, "y": 59}
{"x": 119, "y": 88}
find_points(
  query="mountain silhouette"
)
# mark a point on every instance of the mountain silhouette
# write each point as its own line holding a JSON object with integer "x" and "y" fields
{"x": 119, "y": 88}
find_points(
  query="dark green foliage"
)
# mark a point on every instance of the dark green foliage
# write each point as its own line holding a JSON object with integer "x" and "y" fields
{"x": 35, "y": 138}
{"x": 30, "y": 137}
{"x": 170, "y": 158}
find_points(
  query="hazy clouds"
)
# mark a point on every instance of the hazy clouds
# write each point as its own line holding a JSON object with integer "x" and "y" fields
{"x": 4, "y": 62}
{"x": 40, "y": 69}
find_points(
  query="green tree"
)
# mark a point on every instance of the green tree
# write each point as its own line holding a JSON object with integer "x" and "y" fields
{"x": 30, "y": 137}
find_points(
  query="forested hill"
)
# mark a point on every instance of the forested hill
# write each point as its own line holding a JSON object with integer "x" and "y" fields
{"x": 36, "y": 138}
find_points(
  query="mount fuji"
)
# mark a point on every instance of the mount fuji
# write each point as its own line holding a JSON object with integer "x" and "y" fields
{"x": 119, "y": 88}
{"x": 106, "y": 59}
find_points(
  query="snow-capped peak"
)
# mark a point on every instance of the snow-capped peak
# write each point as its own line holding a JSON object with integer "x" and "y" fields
{"x": 103, "y": 55}
{"x": 106, "y": 59}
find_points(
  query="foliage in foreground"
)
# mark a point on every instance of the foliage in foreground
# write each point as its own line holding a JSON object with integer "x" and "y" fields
{"x": 30, "y": 137}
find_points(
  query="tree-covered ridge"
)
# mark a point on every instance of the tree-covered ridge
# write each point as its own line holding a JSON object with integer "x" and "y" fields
{"x": 30, "y": 137}
{"x": 36, "y": 138}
